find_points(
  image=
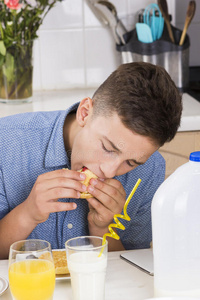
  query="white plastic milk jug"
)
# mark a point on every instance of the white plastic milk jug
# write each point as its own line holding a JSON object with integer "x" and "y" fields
{"x": 176, "y": 232}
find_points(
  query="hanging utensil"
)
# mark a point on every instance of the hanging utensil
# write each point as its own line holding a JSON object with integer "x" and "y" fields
{"x": 152, "y": 16}
{"x": 189, "y": 16}
{"x": 139, "y": 15}
{"x": 110, "y": 18}
{"x": 99, "y": 15}
{"x": 120, "y": 28}
{"x": 164, "y": 10}
{"x": 144, "y": 33}
{"x": 106, "y": 14}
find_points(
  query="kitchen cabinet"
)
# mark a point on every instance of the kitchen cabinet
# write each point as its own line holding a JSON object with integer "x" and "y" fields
{"x": 178, "y": 150}
{"x": 187, "y": 139}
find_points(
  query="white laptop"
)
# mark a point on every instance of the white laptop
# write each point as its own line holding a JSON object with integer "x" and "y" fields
{"x": 141, "y": 258}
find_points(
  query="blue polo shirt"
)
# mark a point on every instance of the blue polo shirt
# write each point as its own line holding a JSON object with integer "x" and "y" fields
{"x": 32, "y": 144}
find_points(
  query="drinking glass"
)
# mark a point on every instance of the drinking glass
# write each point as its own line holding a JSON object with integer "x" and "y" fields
{"x": 87, "y": 263}
{"x": 31, "y": 270}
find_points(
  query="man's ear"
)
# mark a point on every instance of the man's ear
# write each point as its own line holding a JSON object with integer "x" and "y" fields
{"x": 84, "y": 110}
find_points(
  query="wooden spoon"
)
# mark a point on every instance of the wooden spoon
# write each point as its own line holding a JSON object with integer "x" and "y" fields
{"x": 189, "y": 16}
{"x": 164, "y": 10}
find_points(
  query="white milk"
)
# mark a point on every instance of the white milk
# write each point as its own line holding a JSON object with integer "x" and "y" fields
{"x": 87, "y": 275}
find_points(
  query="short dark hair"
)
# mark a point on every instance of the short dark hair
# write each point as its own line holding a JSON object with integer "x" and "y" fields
{"x": 144, "y": 97}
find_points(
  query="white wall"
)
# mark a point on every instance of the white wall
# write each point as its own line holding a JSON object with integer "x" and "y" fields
{"x": 74, "y": 49}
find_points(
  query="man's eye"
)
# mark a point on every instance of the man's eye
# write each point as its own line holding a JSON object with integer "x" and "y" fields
{"x": 129, "y": 164}
{"x": 105, "y": 149}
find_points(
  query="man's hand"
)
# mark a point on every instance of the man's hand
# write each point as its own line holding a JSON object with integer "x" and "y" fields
{"x": 48, "y": 188}
{"x": 42, "y": 200}
{"x": 109, "y": 199}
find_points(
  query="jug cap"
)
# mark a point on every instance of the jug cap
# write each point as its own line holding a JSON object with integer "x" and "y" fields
{"x": 195, "y": 156}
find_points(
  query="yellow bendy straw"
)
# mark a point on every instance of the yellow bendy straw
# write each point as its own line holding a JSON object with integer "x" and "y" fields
{"x": 118, "y": 224}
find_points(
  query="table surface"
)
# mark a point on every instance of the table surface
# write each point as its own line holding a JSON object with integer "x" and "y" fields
{"x": 123, "y": 281}
{"x": 62, "y": 99}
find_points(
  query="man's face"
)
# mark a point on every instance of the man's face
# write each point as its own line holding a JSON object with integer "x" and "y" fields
{"x": 106, "y": 147}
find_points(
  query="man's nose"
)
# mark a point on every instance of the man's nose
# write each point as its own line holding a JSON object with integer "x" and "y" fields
{"x": 109, "y": 168}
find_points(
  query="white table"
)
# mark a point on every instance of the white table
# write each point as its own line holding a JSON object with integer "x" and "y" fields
{"x": 123, "y": 281}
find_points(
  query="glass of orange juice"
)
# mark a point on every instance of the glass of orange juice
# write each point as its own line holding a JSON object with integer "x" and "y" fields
{"x": 31, "y": 270}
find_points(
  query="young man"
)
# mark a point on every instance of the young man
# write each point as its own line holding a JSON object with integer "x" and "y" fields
{"x": 116, "y": 135}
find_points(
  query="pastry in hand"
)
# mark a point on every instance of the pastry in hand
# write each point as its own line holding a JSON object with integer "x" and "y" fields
{"x": 89, "y": 175}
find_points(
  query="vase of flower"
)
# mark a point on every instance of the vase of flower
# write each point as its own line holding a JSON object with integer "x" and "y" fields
{"x": 19, "y": 22}
{"x": 16, "y": 73}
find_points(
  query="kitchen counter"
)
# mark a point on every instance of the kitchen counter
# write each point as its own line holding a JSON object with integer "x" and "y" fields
{"x": 62, "y": 99}
{"x": 190, "y": 120}
{"x": 47, "y": 101}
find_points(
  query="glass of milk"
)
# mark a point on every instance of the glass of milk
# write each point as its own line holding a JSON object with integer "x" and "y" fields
{"x": 87, "y": 263}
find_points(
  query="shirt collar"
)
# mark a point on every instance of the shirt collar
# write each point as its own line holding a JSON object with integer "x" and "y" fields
{"x": 56, "y": 155}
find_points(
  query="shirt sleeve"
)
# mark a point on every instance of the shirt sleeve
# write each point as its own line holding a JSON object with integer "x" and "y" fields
{"x": 4, "y": 206}
{"x": 138, "y": 231}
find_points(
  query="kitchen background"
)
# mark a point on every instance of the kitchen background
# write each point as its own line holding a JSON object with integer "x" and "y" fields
{"x": 75, "y": 50}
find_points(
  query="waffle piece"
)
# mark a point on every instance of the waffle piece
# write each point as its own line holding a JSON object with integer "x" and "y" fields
{"x": 60, "y": 262}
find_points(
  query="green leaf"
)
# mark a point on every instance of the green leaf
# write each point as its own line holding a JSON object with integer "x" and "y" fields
{"x": 8, "y": 67}
{"x": 2, "y": 48}
{"x": 2, "y": 59}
